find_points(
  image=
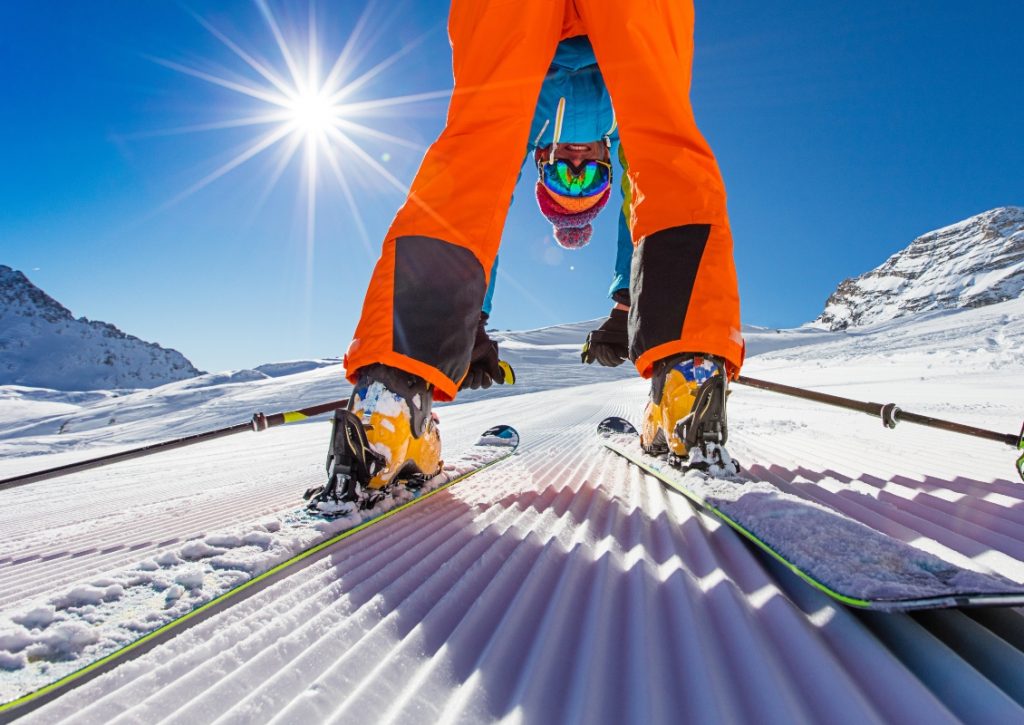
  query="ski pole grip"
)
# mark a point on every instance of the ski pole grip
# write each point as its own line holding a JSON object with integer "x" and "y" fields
{"x": 508, "y": 374}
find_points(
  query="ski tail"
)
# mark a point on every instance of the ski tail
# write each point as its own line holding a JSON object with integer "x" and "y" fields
{"x": 852, "y": 563}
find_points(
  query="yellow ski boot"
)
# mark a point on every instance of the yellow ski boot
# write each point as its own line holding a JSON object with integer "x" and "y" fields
{"x": 685, "y": 417}
{"x": 388, "y": 435}
{"x": 394, "y": 408}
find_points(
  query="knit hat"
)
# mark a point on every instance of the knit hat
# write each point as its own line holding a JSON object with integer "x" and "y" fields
{"x": 570, "y": 216}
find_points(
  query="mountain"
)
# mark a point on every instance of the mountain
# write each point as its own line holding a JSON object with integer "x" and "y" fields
{"x": 42, "y": 345}
{"x": 976, "y": 262}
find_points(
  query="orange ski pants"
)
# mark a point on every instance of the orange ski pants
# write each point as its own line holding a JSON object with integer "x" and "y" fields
{"x": 424, "y": 297}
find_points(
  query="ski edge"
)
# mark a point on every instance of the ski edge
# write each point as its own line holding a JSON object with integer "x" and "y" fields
{"x": 877, "y": 605}
{"x": 37, "y": 698}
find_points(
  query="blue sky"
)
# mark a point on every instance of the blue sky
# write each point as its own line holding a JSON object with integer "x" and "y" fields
{"x": 843, "y": 131}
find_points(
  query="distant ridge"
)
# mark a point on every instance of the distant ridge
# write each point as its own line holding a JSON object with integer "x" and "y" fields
{"x": 42, "y": 345}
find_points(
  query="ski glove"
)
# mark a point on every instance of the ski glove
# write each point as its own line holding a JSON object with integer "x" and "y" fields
{"x": 484, "y": 366}
{"x": 608, "y": 345}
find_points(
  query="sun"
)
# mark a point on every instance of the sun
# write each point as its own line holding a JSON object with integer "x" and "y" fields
{"x": 301, "y": 112}
{"x": 313, "y": 112}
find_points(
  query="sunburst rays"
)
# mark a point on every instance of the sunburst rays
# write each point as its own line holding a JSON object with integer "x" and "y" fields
{"x": 301, "y": 113}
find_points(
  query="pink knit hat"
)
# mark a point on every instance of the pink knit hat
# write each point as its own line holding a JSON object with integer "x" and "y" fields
{"x": 572, "y": 228}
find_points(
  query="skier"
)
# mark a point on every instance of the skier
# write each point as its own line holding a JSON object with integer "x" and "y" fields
{"x": 573, "y": 142}
{"x": 415, "y": 337}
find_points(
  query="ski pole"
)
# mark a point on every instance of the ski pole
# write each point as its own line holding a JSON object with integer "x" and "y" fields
{"x": 891, "y": 414}
{"x": 259, "y": 422}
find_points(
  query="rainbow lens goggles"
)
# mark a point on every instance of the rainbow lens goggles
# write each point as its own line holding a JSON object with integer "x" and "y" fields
{"x": 562, "y": 177}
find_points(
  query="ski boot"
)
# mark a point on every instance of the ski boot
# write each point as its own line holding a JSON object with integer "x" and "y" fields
{"x": 685, "y": 418}
{"x": 388, "y": 436}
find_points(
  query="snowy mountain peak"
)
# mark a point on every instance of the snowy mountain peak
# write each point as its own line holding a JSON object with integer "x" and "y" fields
{"x": 975, "y": 262}
{"x": 43, "y": 345}
{"x": 17, "y": 292}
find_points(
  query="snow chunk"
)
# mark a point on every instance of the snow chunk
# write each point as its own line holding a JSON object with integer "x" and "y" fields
{"x": 168, "y": 558}
{"x": 191, "y": 579}
{"x": 12, "y": 662}
{"x": 199, "y": 549}
{"x": 87, "y": 594}
{"x": 15, "y": 639}
{"x": 258, "y": 538}
{"x": 228, "y": 541}
{"x": 174, "y": 593}
{"x": 240, "y": 563}
{"x": 35, "y": 618}
{"x": 271, "y": 525}
{"x": 63, "y": 640}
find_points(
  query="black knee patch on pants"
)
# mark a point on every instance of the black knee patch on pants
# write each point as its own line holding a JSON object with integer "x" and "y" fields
{"x": 661, "y": 281}
{"x": 439, "y": 288}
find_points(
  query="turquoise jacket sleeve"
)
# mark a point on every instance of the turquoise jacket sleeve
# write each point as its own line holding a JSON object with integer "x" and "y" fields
{"x": 575, "y": 76}
{"x": 489, "y": 297}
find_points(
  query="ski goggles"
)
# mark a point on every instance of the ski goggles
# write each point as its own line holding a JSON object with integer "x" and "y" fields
{"x": 566, "y": 179}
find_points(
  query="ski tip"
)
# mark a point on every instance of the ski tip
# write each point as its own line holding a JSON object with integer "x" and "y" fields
{"x": 615, "y": 425}
{"x": 499, "y": 435}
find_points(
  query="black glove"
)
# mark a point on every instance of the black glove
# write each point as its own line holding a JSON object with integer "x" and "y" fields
{"x": 608, "y": 344}
{"x": 484, "y": 367}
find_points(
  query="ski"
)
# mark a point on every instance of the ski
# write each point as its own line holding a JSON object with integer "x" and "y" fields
{"x": 843, "y": 558}
{"x": 55, "y": 646}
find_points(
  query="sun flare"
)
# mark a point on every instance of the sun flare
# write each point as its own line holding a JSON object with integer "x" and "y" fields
{"x": 312, "y": 112}
{"x": 302, "y": 113}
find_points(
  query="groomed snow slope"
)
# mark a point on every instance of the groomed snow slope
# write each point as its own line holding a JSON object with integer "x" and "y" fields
{"x": 565, "y": 585}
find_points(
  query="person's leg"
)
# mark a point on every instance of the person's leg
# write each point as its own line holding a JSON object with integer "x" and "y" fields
{"x": 683, "y": 281}
{"x": 424, "y": 299}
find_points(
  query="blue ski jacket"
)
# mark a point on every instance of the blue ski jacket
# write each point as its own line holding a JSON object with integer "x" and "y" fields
{"x": 587, "y": 116}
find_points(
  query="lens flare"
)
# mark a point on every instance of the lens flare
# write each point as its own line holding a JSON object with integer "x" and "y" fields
{"x": 312, "y": 112}
{"x": 301, "y": 113}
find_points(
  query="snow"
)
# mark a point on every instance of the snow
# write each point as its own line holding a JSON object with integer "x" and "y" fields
{"x": 554, "y": 505}
{"x": 88, "y": 621}
{"x": 561, "y": 585}
{"x": 292, "y": 367}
